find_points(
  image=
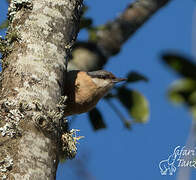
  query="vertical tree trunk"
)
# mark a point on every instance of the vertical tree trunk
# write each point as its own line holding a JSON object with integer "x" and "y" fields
{"x": 40, "y": 35}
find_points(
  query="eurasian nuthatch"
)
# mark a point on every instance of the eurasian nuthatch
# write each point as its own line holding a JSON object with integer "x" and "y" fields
{"x": 85, "y": 89}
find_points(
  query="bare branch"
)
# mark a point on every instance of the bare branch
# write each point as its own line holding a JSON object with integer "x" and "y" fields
{"x": 114, "y": 34}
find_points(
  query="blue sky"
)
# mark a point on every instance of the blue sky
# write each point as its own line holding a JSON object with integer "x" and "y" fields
{"x": 116, "y": 153}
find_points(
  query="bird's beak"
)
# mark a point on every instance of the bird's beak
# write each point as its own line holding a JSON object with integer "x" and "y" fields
{"x": 119, "y": 80}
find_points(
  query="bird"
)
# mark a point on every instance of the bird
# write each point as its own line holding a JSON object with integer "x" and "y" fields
{"x": 85, "y": 88}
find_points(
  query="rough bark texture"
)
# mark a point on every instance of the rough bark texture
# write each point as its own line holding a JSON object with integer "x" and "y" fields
{"x": 40, "y": 35}
{"x": 112, "y": 36}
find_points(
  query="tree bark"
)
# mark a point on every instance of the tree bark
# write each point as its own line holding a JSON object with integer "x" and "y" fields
{"x": 40, "y": 36}
{"x": 111, "y": 37}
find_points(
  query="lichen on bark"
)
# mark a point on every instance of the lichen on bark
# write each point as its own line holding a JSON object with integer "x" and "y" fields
{"x": 32, "y": 99}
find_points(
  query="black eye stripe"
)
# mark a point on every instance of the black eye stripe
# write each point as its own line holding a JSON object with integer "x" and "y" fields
{"x": 101, "y": 74}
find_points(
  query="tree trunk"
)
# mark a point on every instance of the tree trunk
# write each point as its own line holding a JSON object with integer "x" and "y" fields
{"x": 40, "y": 36}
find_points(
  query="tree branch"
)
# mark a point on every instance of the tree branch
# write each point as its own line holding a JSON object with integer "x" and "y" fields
{"x": 114, "y": 34}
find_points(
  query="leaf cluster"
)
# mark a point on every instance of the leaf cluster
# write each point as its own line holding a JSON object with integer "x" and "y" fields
{"x": 182, "y": 91}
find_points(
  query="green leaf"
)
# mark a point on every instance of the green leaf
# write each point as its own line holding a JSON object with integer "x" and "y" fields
{"x": 135, "y": 76}
{"x": 182, "y": 91}
{"x": 182, "y": 65}
{"x": 140, "y": 109}
{"x": 192, "y": 98}
{"x": 4, "y": 24}
{"x": 135, "y": 103}
{"x": 96, "y": 119}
